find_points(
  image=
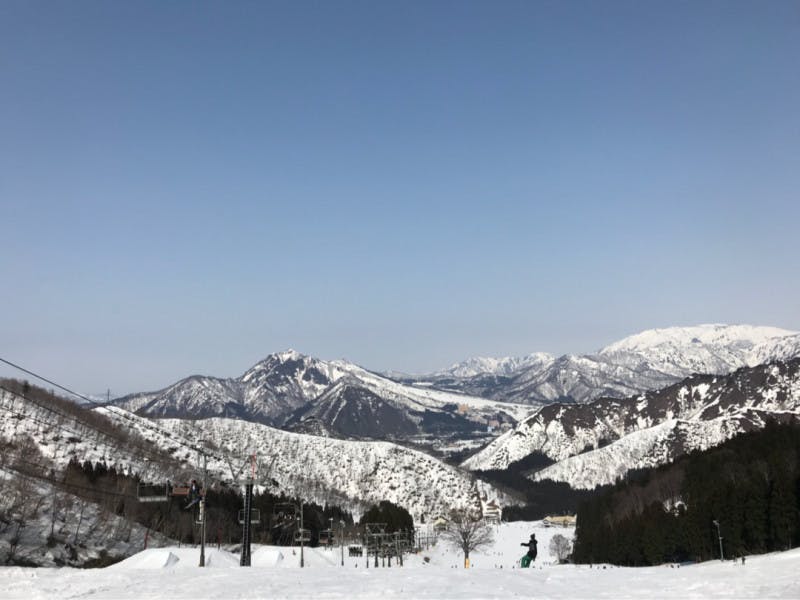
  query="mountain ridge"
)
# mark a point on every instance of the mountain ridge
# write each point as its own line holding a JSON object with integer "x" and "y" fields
{"x": 643, "y": 361}
{"x": 597, "y": 442}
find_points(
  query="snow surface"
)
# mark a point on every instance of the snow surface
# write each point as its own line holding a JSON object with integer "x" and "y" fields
{"x": 173, "y": 573}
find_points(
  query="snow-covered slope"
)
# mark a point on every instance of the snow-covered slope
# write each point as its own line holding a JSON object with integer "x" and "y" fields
{"x": 45, "y": 526}
{"x": 647, "y": 429}
{"x": 783, "y": 348}
{"x": 650, "y": 447}
{"x": 352, "y": 474}
{"x": 173, "y": 573}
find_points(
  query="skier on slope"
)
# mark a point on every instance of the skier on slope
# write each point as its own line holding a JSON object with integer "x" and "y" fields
{"x": 531, "y": 555}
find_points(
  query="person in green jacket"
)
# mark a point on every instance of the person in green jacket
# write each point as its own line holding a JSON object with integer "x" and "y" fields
{"x": 531, "y": 554}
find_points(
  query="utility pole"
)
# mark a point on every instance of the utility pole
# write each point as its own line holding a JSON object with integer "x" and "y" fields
{"x": 203, "y": 512}
{"x": 721, "y": 557}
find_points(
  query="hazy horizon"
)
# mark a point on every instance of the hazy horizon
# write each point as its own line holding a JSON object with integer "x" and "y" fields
{"x": 186, "y": 188}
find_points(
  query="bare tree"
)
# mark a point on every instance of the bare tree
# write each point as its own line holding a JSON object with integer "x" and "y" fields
{"x": 468, "y": 532}
{"x": 560, "y": 547}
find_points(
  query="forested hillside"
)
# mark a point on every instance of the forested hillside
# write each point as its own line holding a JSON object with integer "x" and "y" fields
{"x": 749, "y": 486}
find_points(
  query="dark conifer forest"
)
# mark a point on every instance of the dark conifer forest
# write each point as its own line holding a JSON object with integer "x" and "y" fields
{"x": 746, "y": 491}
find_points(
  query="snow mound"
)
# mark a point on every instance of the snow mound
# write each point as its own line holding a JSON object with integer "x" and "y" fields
{"x": 266, "y": 556}
{"x": 173, "y": 557}
{"x": 155, "y": 558}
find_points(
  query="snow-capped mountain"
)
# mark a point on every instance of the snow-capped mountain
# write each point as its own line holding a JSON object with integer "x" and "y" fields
{"x": 596, "y": 442}
{"x": 680, "y": 351}
{"x": 495, "y": 366}
{"x": 290, "y": 390}
{"x": 266, "y": 393}
{"x": 645, "y": 361}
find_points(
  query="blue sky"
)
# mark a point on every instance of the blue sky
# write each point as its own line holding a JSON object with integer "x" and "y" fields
{"x": 188, "y": 187}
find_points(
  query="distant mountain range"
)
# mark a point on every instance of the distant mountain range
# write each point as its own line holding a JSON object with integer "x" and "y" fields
{"x": 646, "y": 361}
{"x": 339, "y": 399}
{"x": 598, "y": 442}
{"x": 336, "y": 398}
{"x": 636, "y": 403}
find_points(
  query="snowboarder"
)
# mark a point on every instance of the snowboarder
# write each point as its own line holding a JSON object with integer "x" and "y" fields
{"x": 526, "y": 560}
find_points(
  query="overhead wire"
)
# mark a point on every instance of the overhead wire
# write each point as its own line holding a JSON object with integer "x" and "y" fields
{"x": 218, "y": 453}
{"x": 109, "y": 435}
{"x": 58, "y": 482}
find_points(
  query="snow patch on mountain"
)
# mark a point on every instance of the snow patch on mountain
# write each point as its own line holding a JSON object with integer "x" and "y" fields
{"x": 495, "y": 366}
{"x": 641, "y": 449}
{"x": 728, "y": 336}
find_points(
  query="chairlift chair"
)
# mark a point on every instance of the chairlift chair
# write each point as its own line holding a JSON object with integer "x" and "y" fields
{"x": 147, "y": 492}
{"x": 255, "y": 516}
{"x": 180, "y": 490}
{"x": 302, "y": 535}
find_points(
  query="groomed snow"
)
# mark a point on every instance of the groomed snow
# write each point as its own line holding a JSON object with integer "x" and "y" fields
{"x": 173, "y": 573}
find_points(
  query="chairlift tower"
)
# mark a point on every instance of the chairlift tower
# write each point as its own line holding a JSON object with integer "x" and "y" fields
{"x": 244, "y": 561}
{"x": 246, "y": 514}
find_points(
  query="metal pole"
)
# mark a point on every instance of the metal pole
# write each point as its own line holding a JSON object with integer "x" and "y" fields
{"x": 719, "y": 535}
{"x": 302, "y": 534}
{"x": 248, "y": 502}
{"x": 341, "y": 539}
{"x": 203, "y": 513}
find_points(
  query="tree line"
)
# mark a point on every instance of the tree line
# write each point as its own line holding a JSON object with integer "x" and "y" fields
{"x": 541, "y": 498}
{"x": 116, "y": 492}
{"x": 746, "y": 491}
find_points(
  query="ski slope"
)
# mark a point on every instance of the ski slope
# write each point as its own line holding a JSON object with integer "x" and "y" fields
{"x": 173, "y": 573}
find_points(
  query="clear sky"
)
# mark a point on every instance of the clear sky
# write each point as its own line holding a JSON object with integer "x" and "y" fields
{"x": 186, "y": 187}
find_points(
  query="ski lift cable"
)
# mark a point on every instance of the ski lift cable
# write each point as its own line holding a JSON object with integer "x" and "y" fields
{"x": 132, "y": 456}
{"x": 76, "y": 394}
{"x": 56, "y": 482}
{"x": 76, "y": 419}
{"x": 142, "y": 452}
{"x": 121, "y": 415}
